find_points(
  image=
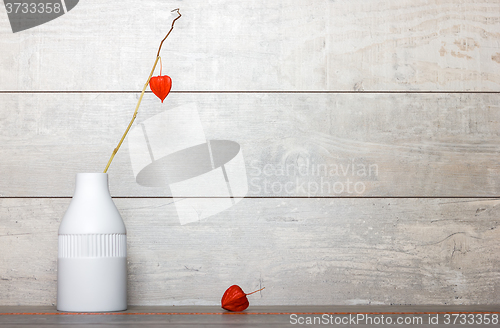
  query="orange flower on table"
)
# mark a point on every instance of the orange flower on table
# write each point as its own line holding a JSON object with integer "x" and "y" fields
{"x": 235, "y": 299}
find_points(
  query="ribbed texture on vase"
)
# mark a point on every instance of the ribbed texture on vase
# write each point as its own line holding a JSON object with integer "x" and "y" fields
{"x": 93, "y": 245}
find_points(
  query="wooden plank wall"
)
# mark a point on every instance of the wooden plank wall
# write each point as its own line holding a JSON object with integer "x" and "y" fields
{"x": 409, "y": 88}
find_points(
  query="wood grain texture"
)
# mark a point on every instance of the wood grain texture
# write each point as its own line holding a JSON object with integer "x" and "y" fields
{"x": 304, "y": 251}
{"x": 261, "y": 45}
{"x": 293, "y": 144}
{"x": 254, "y": 316}
{"x": 162, "y": 310}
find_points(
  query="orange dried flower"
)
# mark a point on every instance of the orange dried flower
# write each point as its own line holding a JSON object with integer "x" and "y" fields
{"x": 235, "y": 299}
{"x": 160, "y": 85}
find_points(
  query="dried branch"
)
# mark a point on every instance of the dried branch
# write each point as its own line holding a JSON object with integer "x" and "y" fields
{"x": 142, "y": 93}
{"x": 171, "y": 28}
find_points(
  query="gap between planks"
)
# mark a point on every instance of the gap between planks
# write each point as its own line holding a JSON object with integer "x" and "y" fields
{"x": 271, "y": 197}
{"x": 256, "y": 92}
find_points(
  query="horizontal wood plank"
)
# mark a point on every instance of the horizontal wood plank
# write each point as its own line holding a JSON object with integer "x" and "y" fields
{"x": 260, "y": 45}
{"x": 304, "y": 251}
{"x": 426, "y": 145}
{"x": 254, "y": 316}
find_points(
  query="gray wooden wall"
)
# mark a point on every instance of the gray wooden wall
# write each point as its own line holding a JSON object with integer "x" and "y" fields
{"x": 410, "y": 88}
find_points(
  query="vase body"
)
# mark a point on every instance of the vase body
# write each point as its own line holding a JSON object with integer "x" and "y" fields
{"x": 92, "y": 257}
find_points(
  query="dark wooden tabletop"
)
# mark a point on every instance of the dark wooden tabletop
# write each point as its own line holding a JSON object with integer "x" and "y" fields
{"x": 271, "y": 316}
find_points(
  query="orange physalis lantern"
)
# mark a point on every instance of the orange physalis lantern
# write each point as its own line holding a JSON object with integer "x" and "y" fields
{"x": 235, "y": 299}
{"x": 160, "y": 85}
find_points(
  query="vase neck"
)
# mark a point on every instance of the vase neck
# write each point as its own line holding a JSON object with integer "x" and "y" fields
{"x": 91, "y": 185}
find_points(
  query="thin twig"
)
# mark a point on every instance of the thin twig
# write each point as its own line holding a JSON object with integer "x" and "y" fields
{"x": 255, "y": 291}
{"x": 142, "y": 93}
{"x": 173, "y": 22}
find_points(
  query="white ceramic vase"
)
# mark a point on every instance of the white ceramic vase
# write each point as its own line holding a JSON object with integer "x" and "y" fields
{"x": 92, "y": 259}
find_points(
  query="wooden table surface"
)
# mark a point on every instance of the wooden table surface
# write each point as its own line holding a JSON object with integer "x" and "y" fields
{"x": 271, "y": 316}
